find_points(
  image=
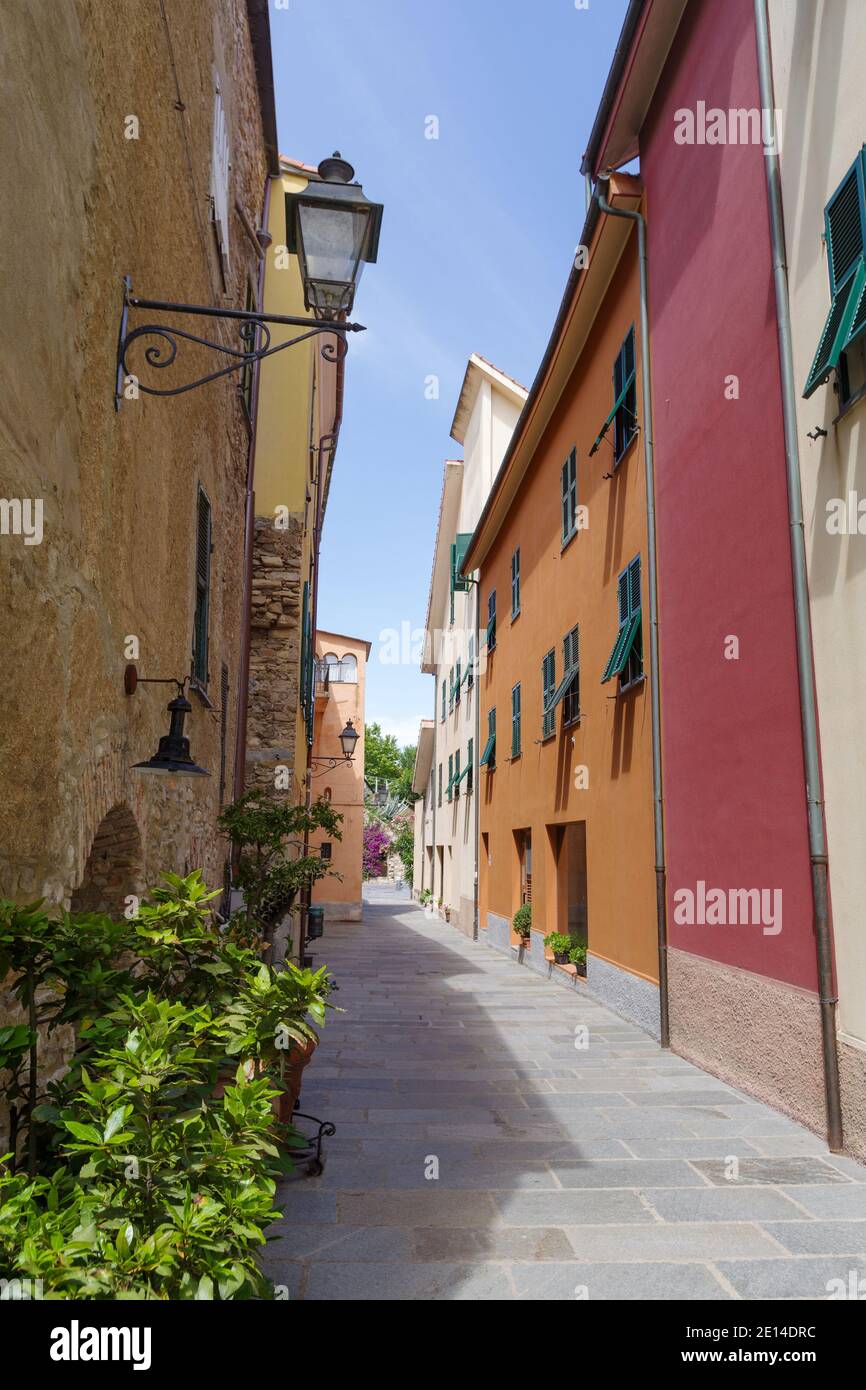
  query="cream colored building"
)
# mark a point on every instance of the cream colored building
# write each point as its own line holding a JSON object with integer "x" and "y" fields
{"x": 487, "y": 411}
{"x": 818, "y": 50}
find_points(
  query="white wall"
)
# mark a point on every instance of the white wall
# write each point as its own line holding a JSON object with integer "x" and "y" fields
{"x": 819, "y": 48}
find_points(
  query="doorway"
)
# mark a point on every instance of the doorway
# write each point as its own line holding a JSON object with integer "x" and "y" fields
{"x": 572, "y": 908}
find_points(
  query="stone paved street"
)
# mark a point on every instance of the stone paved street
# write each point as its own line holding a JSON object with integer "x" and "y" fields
{"x": 559, "y": 1170}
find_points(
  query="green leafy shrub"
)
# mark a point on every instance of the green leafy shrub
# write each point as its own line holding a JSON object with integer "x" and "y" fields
{"x": 159, "y": 1148}
{"x": 577, "y": 955}
{"x": 522, "y": 921}
{"x": 558, "y": 943}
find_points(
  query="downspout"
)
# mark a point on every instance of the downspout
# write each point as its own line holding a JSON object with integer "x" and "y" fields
{"x": 476, "y": 754}
{"x": 249, "y": 537}
{"x": 802, "y": 623}
{"x": 652, "y": 589}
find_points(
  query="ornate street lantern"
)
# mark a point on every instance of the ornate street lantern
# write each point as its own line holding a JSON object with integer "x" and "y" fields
{"x": 348, "y": 738}
{"x": 333, "y": 228}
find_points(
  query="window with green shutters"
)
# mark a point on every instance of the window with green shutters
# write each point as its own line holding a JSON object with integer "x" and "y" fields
{"x": 625, "y": 398}
{"x": 488, "y": 756}
{"x": 470, "y": 663}
{"x": 458, "y": 681}
{"x": 457, "y": 773}
{"x": 548, "y": 687}
{"x": 202, "y": 588}
{"x": 469, "y": 774}
{"x": 515, "y": 583}
{"x": 459, "y": 585}
{"x": 845, "y": 237}
{"x": 451, "y": 690}
{"x": 450, "y": 787}
{"x": 626, "y": 659}
{"x": 569, "y": 497}
{"x": 571, "y": 663}
{"x": 444, "y": 693}
{"x": 491, "y": 620}
{"x": 515, "y": 721}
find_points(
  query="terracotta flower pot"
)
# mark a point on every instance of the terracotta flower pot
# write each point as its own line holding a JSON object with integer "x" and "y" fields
{"x": 297, "y": 1058}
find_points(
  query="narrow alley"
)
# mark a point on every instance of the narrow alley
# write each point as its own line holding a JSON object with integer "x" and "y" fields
{"x": 499, "y": 1138}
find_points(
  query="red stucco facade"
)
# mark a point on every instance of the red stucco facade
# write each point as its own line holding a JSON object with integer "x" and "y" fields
{"x": 733, "y": 766}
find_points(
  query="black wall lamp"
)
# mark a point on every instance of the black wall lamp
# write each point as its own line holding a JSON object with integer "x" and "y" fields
{"x": 172, "y": 754}
{"x": 332, "y": 228}
{"x": 348, "y": 738}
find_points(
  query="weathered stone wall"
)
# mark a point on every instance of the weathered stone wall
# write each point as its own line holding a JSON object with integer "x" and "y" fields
{"x": 84, "y": 206}
{"x": 119, "y": 489}
{"x": 275, "y": 649}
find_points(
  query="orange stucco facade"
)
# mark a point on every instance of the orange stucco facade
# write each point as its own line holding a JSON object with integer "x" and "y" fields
{"x": 340, "y": 677}
{"x": 584, "y": 792}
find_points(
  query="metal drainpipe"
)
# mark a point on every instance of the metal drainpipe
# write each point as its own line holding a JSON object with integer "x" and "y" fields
{"x": 435, "y": 791}
{"x": 652, "y": 589}
{"x": 476, "y": 754}
{"x": 802, "y": 622}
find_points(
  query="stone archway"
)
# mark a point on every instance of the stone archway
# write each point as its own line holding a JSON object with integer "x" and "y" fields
{"x": 114, "y": 865}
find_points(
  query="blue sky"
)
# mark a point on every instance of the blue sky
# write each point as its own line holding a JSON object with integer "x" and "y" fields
{"x": 478, "y": 235}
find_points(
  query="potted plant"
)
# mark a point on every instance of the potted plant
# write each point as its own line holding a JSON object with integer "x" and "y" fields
{"x": 560, "y": 945}
{"x": 522, "y": 923}
{"x": 447, "y": 911}
{"x": 577, "y": 958}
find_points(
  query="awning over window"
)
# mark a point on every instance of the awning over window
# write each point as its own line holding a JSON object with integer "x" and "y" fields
{"x": 487, "y": 757}
{"x": 845, "y": 322}
{"x": 562, "y": 689}
{"x": 622, "y": 647}
{"x": 616, "y": 405}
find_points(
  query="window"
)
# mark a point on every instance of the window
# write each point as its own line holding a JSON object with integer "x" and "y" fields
{"x": 571, "y": 662}
{"x": 457, "y": 684}
{"x": 515, "y": 583}
{"x": 219, "y": 176}
{"x": 548, "y": 686}
{"x": 440, "y": 784}
{"x": 515, "y": 721}
{"x": 491, "y": 620}
{"x": 325, "y": 852}
{"x": 469, "y": 774}
{"x": 202, "y": 589}
{"x": 451, "y": 690}
{"x": 444, "y": 689}
{"x": 569, "y": 497}
{"x": 449, "y": 790}
{"x": 626, "y": 659}
{"x": 625, "y": 398}
{"x": 342, "y": 669}
{"x": 841, "y": 341}
{"x": 457, "y": 773}
{"x": 470, "y": 663}
{"x": 459, "y": 547}
{"x": 488, "y": 757}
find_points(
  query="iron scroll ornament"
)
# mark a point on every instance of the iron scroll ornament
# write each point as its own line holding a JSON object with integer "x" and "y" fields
{"x": 255, "y": 333}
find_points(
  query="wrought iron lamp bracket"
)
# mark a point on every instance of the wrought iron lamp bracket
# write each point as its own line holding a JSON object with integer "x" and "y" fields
{"x": 254, "y": 332}
{"x": 330, "y": 764}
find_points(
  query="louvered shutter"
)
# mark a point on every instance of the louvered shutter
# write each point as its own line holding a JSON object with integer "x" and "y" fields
{"x": 202, "y": 588}
{"x": 845, "y": 235}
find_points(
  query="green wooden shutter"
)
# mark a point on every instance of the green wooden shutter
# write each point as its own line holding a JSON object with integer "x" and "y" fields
{"x": 634, "y": 585}
{"x": 623, "y": 596}
{"x": 450, "y": 786}
{"x": 491, "y": 620}
{"x": 515, "y": 721}
{"x": 515, "y": 583}
{"x": 470, "y": 765}
{"x": 845, "y": 235}
{"x": 457, "y": 773}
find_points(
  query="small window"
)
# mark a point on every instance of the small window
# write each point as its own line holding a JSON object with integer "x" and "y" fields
{"x": 457, "y": 773}
{"x": 625, "y": 398}
{"x": 470, "y": 663}
{"x": 325, "y": 852}
{"x": 457, "y": 684}
{"x": 327, "y": 794}
{"x": 488, "y": 757}
{"x": 451, "y": 690}
{"x": 202, "y": 589}
{"x": 571, "y": 663}
{"x": 219, "y": 176}
{"x": 626, "y": 659}
{"x": 515, "y": 721}
{"x": 515, "y": 583}
{"x": 491, "y": 620}
{"x": 469, "y": 774}
{"x": 548, "y": 688}
{"x": 450, "y": 790}
{"x": 569, "y": 497}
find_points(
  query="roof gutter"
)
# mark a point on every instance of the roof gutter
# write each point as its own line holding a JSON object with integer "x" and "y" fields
{"x": 802, "y": 622}
{"x": 260, "y": 34}
{"x": 611, "y": 86}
